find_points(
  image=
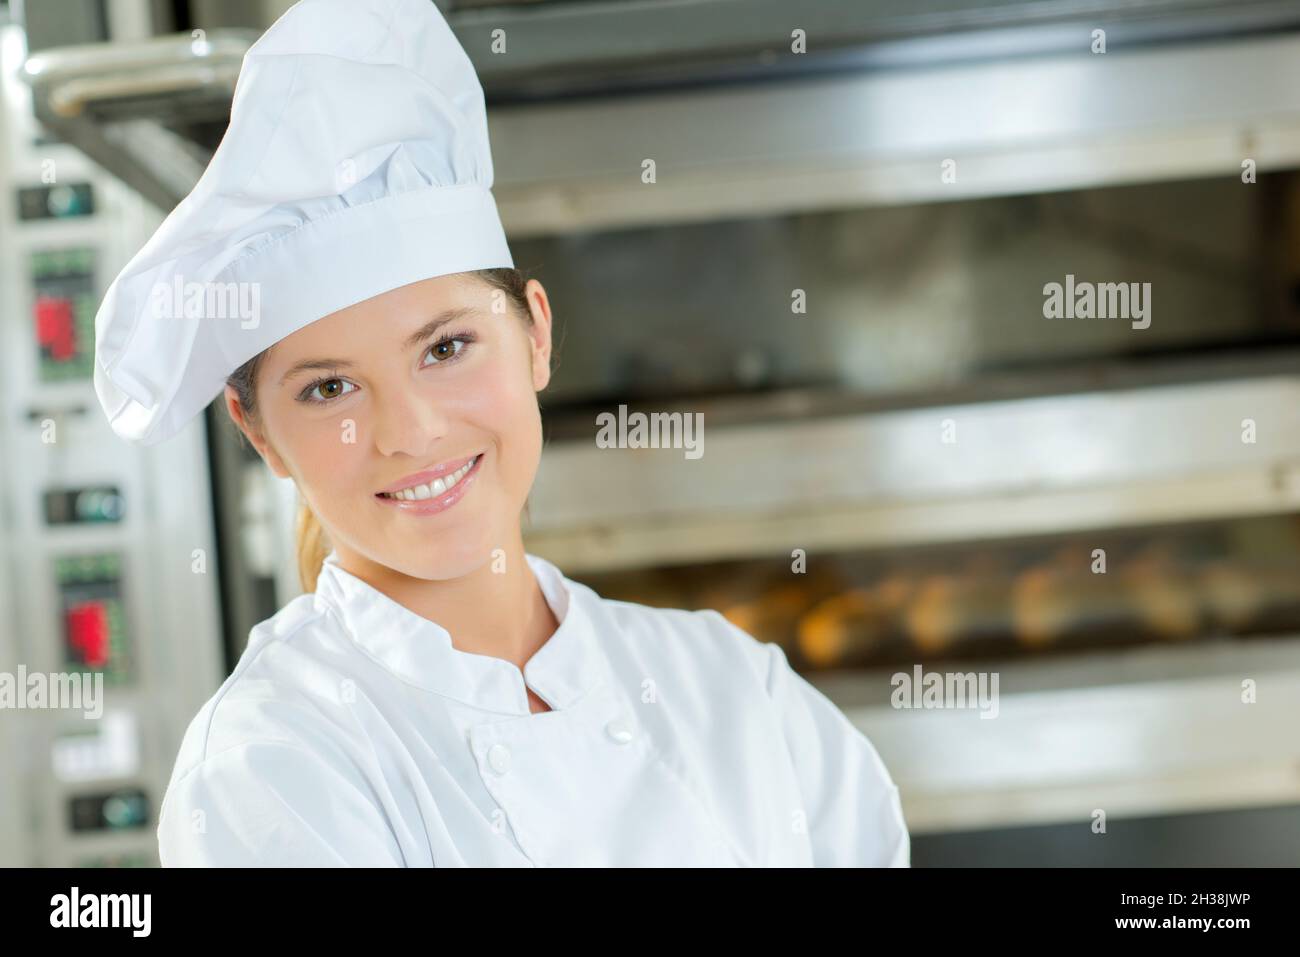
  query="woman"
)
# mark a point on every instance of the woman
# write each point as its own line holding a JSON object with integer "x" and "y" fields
{"x": 438, "y": 696}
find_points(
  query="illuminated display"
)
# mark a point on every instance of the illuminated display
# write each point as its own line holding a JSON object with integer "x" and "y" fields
{"x": 63, "y": 308}
{"x": 94, "y": 621}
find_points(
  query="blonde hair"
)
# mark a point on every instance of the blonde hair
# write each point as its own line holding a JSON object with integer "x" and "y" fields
{"x": 313, "y": 547}
{"x": 313, "y": 544}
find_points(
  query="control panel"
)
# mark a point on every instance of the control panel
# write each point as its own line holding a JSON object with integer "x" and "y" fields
{"x": 110, "y": 637}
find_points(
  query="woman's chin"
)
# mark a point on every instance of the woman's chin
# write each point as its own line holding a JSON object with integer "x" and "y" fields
{"x": 442, "y": 556}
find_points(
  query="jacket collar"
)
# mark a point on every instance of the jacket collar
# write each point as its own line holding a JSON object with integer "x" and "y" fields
{"x": 420, "y": 651}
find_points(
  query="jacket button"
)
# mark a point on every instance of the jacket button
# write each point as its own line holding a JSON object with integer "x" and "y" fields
{"x": 499, "y": 758}
{"x": 619, "y": 730}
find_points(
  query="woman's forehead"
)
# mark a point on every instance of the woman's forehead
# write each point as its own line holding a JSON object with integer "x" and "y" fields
{"x": 389, "y": 314}
{"x": 389, "y": 320}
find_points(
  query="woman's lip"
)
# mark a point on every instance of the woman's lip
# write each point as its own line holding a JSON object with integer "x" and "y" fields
{"x": 437, "y": 503}
{"x": 427, "y": 476}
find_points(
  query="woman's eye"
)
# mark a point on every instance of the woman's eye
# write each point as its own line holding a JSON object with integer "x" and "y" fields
{"x": 327, "y": 389}
{"x": 442, "y": 351}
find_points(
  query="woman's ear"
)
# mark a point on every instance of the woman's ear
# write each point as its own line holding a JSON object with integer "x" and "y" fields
{"x": 539, "y": 333}
{"x": 254, "y": 436}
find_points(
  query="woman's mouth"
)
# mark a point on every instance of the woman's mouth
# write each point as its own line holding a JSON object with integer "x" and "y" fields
{"x": 442, "y": 493}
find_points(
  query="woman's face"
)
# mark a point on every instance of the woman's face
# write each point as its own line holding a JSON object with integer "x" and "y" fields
{"x": 416, "y": 379}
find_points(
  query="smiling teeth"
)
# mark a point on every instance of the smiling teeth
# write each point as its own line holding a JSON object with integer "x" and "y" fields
{"x": 436, "y": 487}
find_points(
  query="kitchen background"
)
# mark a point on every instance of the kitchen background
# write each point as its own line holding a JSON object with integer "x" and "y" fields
{"x": 946, "y": 460}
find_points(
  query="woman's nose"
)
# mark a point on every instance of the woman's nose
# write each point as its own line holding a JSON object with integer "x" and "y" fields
{"x": 407, "y": 423}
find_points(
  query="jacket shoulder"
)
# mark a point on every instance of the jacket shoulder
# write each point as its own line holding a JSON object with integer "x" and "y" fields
{"x": 218, "y": 723}
{"x": 702, "y": 636}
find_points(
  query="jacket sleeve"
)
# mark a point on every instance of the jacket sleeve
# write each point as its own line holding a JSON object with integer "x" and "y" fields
{"x": 853, "y": 813}
{"x": 271, "y": 804}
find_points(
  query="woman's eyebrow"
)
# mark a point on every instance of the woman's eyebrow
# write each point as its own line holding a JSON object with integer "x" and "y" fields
{"x": 430, "y": 327}
{"x": 306, "y": 364}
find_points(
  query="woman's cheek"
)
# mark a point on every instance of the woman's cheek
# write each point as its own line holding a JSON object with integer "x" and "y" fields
{"x": 521, "y": 439}
{"x": 329, "y": 458}
{"x": 511, "y": 404}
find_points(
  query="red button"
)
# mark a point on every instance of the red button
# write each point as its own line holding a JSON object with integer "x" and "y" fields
{"x": 55, "y": 329}
{"x": 88, "y": 632}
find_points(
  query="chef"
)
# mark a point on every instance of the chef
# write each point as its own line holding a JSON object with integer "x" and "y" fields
{"x": 438, "y": 695}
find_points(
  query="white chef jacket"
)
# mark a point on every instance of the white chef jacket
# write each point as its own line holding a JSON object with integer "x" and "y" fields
{"x": 352, "y": 732}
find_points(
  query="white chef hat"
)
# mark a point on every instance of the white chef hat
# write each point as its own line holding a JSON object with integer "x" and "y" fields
{"x": 356, "y": 161}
